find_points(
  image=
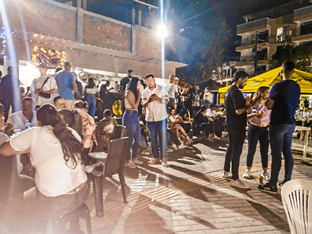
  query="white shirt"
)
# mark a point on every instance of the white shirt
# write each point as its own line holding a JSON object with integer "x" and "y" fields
{"x": 155, "y": 111}
{"x": 172, "y": 89}
{"x": 211, "y": 113}
{"x": 53, "y": 177}
{"x": 18, "y": 120}
{"x": 49, "y": 85}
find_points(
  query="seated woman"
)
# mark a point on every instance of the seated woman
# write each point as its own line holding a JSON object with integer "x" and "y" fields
{"x": 201, "y": 123}
{"x": 106, "y": 129}
{"x": 89, "y": 126}
{"x": 174, "y": 121}
{"x": 72, "y": 119}
{"x": 186, "y": 122}
{"x": 61, "y": 183}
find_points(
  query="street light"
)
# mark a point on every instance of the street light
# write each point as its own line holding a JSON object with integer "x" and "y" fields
{"x": 162, "y": 31}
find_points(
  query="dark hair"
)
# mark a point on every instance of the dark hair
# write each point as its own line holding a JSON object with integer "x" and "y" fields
{"x": 212, "y": 105}
{"x": 28, "y": 99}
{"x": 81, "y": 105}
{"x": 10, "y": 69}
{"x": 107, "y": 82}
{"x": 55, "y": 99}
{"x": 129, "y": 71}
{"x": 240, "y": 74}
{"x": 289, "y": 66}
{"x": 203, "y": 108}
{"x": 72, "y": 148}
{"x": 107, "y": 112}
{"x": 91, "y": 83}
{"x": 132, "y": 86}
{"x": 58, "y": 69}
{"x": 149, "y": 75}
{"x": 73, "y": 119}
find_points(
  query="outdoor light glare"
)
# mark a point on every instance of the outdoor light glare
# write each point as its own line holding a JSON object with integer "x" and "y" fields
{"x": 162, "y": 31}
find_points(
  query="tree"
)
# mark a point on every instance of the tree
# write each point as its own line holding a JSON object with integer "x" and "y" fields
{"x": 300, "y": 55}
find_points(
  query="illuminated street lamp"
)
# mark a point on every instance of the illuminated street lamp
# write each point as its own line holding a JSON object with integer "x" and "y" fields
{"x": 162, "y": 31}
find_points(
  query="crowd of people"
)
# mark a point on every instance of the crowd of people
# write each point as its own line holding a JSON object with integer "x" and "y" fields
{"x": 58, "y": 114}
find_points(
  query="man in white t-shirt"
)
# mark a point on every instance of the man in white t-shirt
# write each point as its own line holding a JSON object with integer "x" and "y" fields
{"x": 172, "y": 90}
{"x": 19, "y": 120}
{"x": 154, "y": 99}
{"x": 45, "y": 86}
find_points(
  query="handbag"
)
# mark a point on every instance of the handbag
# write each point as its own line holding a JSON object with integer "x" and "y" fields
{"x": 45, "y": 95}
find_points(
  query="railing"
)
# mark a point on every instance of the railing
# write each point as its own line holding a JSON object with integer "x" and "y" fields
{"x": 254, "y": 24}
{"x": 303, "y": 11}
{"x": 261, "y": 56}
{"x": 261, "y": 38}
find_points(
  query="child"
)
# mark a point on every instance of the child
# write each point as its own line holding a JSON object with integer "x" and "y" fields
{"x": 106, "y": 129}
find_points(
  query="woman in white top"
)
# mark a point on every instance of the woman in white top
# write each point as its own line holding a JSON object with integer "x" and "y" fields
{"x": 61, "y": 183}
{"x": 131, "y": 119}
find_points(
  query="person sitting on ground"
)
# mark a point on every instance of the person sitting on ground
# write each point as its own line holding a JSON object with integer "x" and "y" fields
{"x": 22, "y": 119}
{"x": 106, "y": 129}
{"x": 186, "y": 122}
{"x": 174, "y": 121}
{"x": 59, "y": 102}
{"x": 89, "y": 126}
{"x": 61, "y": 183}
{"x": 201, "y": 123}
{"x": 213, "y": 115}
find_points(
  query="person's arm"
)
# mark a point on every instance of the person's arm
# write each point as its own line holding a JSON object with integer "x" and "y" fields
{"x": 241, "y": 106}
{"x": 250, "y": 116}
{"x": 75, "y": 88}
{"x": 49, "y": 91}
{"x": 269, "y": 103}
{"x": 131, "y": 99}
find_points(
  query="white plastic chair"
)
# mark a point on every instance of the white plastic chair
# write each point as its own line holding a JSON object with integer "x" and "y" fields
{"x": 297, "y": 201}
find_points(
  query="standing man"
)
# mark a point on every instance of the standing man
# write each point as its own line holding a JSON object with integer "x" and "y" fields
{"x": 10, "y": 92}
{"x": 283, "y": 100}
{"x": 124, "y": 81}
{"x": 66, "y": 85}
{"x": 236, "y": 119}
{"x": 172, "y": 90}
{"x": 155, "y": 99}
{"x": 44, "y": 86}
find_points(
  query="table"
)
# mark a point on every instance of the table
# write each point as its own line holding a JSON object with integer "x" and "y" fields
{"x": 306, "y": 138}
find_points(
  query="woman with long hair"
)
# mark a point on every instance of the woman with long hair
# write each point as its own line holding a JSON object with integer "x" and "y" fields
{"x": 130, "y": 119}
{"x": 72, "y": 119}
{"x": 61, "y": 183}
{"x": 88, "y": 124}
{"x": 90, "y": 92}
{"x": 258, "y": 131}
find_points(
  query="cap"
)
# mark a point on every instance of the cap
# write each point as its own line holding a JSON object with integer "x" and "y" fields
{"x": 68, "y": 64}
{"x": 177, "y": 78}
{"x": 43, "y": 65}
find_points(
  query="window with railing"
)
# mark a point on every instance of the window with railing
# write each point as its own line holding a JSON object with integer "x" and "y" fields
{"x": 306, "y": 28}
{"x": 262, "y": 37}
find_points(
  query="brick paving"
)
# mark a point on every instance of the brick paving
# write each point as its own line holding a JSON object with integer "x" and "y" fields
{"x": 191, "y": 197}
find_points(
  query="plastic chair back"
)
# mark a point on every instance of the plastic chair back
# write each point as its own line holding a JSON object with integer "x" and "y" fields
{"x": 116, "y": 156}
{"x": 120, "y": 131}
{"x": 297, "y": 201}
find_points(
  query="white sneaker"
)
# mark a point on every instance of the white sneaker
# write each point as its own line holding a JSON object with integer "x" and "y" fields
{"x": 137, "y": 161}
{"x": 169, "y": 150}
{"x": 225, "y": 174}
{"x": 174, "y": 147}
{"x": 247, "y": 174}
{"x": 130, "y": 164}
{"x": 239, "y": 184}
{"x": 215, "y": 137}
{"x": 266, "y": 175}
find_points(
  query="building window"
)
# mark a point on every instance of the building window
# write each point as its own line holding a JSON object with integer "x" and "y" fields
{"x": 306, "y": 28}
{"x": 282, "y": 34}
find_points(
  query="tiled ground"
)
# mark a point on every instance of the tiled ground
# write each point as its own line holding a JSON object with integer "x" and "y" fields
{"x": 191, "y": 197}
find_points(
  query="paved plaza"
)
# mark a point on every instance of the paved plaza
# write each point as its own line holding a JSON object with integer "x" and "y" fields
{"x": 191, "y": 197}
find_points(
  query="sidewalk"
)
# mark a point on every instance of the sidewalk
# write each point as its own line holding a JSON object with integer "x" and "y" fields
{"x": 191, "y": 197}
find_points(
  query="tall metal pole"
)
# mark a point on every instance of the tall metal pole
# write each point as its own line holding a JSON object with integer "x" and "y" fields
{"x": 256, "y": 55}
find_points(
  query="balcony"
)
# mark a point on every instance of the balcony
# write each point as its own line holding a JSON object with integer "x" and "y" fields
{"x": 250, "y": 61}
{"x": 253, "y": 26}
{"x": 303, "y": 14}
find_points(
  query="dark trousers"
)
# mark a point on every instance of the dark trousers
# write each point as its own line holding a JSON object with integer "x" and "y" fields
{"x": 234, "y": 151}
{"x": 172, "y": 138}
{"x": 256, "y": 134}
{"x": 280, "y": 141}
{"x": 7, "y": 103}
{"x": 207, "y": 127}
{"x": 158, "y": 134}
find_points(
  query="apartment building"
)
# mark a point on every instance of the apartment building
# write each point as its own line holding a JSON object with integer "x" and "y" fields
{"x": 270, "y": 30}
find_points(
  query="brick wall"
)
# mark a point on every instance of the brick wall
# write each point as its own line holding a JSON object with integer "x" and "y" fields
{"x": 42, "y": 18}
{"x": 97, "y": 31}
{"x": 147, "y": 42}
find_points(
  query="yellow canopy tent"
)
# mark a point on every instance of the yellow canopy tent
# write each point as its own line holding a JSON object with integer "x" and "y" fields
{"x": 269, "y": 78}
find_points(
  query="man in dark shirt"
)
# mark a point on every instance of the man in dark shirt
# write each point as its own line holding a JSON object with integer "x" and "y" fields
{"x": 236, "y": 119}
{"x": 283, "y": 100}
{"x": 10, "y": 92}
{"x": 203, "y": 124}
{"x": 124, "y": 81}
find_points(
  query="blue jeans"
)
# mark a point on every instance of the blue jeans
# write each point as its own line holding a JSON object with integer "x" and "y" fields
{"x": 256, "y": 134}
{"x": 158, "y": 134}
{"x": 280, "y": 141}
{"x": 131, "y": 121}
{"x": 91, "y": 100}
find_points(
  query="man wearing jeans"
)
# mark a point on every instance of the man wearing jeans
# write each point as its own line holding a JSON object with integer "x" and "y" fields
{"x": 155, "y": 99}
{"x": 283, "y": 100}
{"x": 236, "y": 120}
